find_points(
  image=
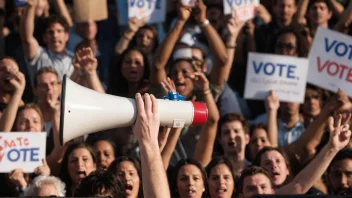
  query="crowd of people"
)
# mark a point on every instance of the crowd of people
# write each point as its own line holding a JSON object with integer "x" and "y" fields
{"x": 245, "y": 148}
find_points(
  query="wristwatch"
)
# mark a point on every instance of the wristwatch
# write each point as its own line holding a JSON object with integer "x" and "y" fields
{"x": 205, "y": 23}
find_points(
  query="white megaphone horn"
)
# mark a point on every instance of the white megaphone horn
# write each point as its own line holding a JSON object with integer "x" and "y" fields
{"x": 85, "y": 111}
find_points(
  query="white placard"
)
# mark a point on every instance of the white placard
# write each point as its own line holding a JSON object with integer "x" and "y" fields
{"x": 21, "y": 150}
{"x": 330, "y": 61}
{"x": 286, "y": 75}
{"x": 244, "y": 9}
{"x": 190, "y": 3}
{"x": 155, "y": 10}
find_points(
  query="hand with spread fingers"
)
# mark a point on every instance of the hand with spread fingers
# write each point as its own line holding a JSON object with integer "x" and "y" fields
{"x": 86, "y": 61}
{"x": 200, "y": 81}
{"x": 234, "y": 26}
{"x": 340, "y": 133}
{"x": 43, "y": 169}
{"x": 147, "y": 124}
{"x": 17, "y": 177}
{"x": 168, "y": 85}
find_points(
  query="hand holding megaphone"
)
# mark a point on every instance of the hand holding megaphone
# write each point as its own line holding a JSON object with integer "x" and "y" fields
{"x": 84, "y": 111}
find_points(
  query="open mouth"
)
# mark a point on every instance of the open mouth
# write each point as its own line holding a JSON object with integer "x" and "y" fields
{"x": 128, "y": 188}
{"x": 275, "y": 174}
{"x": 221, "y": 190}
{"x": 231, "y": 144}
{"x": 82, "y": 173}
{"x": 191, "y": 192}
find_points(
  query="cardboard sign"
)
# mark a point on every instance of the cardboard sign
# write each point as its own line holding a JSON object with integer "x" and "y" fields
{"x": 244, "y": 9}
{"x": 90, "y": 10}
{"x": 154, "y": 10}
{"x": 330, "y": 61}
{"x": 286, "y": 75}
{"x": 21, "y": 150}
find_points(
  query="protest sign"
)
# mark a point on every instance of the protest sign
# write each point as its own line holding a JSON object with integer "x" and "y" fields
{"x": 90, "y": 10}
{"x": 23, "y": 150}
{"x": 244, "y": 9}
{"x": 286, "y": 75}
{"x": 153, "y": 10}
{"x": 330, "y": 61}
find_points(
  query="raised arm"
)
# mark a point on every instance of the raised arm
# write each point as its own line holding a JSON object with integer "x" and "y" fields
{"x": 339, "y": 138}
{"x": 55, "y": 157}
{"x": 272, "y": 104}
{"x": 164, "y": 51}
{"x": 215, "y": 42}
{"x": 204, "y": 148}
{"x": 263, "y": 13}
{"x": 88, "y": 64}
{"x": 309, "y": 140}
{"x": 221, "y": 72}
{"x": 62, "y": 10}
{"x": 30, "y": 44}
{"x": 345, "y": 19}
{"x": 155, "y": 183}
{"x": 170, "y": 145}
{"x": 337, "y": 8}
{"x": 302, "y": 7}
{"x": 7, "y": 120}
{"x": 133, "y": 26}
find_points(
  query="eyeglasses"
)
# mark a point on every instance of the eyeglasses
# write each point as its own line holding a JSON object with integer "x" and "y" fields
{"x": 288, "y": 47}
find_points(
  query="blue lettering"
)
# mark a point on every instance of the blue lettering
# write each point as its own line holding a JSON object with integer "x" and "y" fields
{"x": 327, "y": 46}
{"x": 34, "y": 154}
{"x": 290, "y": 70}
{"x": 229, "y": 2}
{"x": 150, "y": 2}
{"x": 344, "y": 49}
{"x": 132, "y": 2}
{"x": 266, "y": 69}
{"x": 256, "y": 68}
{"x": 281, "y": 66}
{"x": 140, "y": 3}
{"x": 10, "y": 156}
{"x": 158, "y": 4}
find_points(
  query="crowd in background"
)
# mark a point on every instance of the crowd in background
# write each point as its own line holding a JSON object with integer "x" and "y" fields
{"x": 246, "y": 147}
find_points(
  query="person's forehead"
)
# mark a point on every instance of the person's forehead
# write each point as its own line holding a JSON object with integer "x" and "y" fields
{"x": 342, "y": 165}
{"x": 47, "y": 76}
{"x": 8, "y": 62}
{"x": 257, "y": 179}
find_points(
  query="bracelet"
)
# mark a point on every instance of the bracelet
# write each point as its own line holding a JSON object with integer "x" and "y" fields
{"x": 205, "y": 23}
{"x": 231, "y": 46}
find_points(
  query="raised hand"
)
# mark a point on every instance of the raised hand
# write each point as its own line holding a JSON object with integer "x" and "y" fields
{"x": 234, "y": 26}
{"x": 200, "y": 12}
{"x": 17, "y": 177}
{"x": 86, "y": 60}
{"x": 17, "y": 81}
{"x": 339, "y": 131}
{"x": 272, "y": 102}
{"x": 147, "y": 124}
{"x": 134, "y": 23}
{"x": 200, "y": 81}
{"x": 168, "y": 85}
{"x": 184, "y": 12}
{"x": 43, "y": 169}
{"x": 55, "y": 105}
{"x": 32, "y": 2}
{"x": 340, "y": 103}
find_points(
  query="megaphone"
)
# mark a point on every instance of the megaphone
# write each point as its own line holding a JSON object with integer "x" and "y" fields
{"x": 85, "y": 111}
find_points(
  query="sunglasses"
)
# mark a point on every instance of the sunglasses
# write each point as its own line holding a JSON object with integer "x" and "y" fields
{"x": 288, "y": 47}
{"x": 313, "y": 96}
